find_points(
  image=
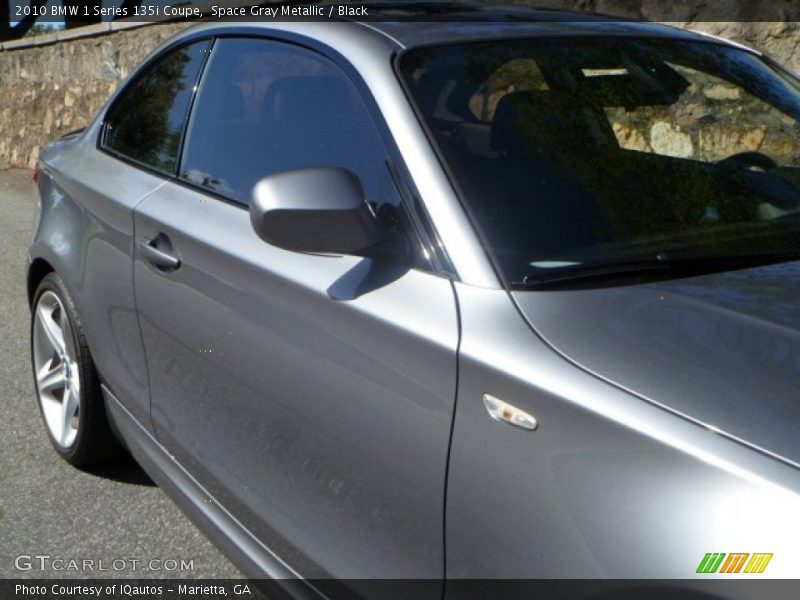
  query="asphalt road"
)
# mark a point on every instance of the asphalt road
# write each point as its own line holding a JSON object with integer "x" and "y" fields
{"x": 48, "y": 507}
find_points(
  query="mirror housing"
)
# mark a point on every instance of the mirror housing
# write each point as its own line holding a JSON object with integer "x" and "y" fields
{"x": 317, "y": 210}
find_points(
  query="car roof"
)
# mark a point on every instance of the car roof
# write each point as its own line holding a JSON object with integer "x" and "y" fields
{"x": 429, "y": 23}
{"x": 397, "y": 26}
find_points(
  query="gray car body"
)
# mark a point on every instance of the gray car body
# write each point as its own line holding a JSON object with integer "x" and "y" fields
{"x": 319, "y": 417}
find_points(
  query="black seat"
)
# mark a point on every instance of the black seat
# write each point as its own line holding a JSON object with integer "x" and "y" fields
{"x": 549, "y": 124}
{"x": 336, "y": 132}
{"x": 548, "y": 144}
{"x": 302, "y": 137}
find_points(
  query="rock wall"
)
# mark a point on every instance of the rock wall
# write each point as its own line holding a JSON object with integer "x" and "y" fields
{"x": 779, "y": 40}
{"x": 711, "y": 121}
{"x": 51, "y": 89}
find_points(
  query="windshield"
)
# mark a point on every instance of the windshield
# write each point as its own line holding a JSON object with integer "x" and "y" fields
{"x": 576, "y": 152}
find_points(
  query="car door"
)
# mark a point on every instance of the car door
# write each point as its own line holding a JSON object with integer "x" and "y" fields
{"x": 98, "y": 187}
{"x": 311, "y": 395}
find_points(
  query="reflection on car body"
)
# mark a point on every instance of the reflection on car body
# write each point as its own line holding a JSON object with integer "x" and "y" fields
{"x": 291, "y": 261}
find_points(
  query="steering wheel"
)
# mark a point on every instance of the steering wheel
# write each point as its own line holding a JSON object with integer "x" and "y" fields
{"x": 744, "y": 160}
{"x": 767, "y": 197}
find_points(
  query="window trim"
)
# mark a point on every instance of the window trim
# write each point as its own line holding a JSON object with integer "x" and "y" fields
{"x": 411, "y": 200}
{"x": 396, "y": 168}
{"x": 369, "y": 103}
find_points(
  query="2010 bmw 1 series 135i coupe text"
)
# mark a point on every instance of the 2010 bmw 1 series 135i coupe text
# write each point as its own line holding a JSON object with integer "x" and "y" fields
{"x": 516, "y": 296}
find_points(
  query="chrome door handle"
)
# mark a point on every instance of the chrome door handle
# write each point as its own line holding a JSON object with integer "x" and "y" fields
{"x": 158, "y": 258}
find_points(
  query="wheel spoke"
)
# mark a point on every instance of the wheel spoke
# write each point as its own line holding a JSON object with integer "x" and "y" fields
{"x": 66, "y": 335}
{"x": 50, "y": 378}
{"x": 69, "y": 406}
{"x": 51, "y": 329}
{"x": 75, "y": 382}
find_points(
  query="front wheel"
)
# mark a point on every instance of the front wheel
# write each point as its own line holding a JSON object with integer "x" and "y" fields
{"x": 66, "y": 381}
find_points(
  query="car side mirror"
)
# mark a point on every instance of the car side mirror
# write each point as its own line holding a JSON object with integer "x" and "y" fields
{"x": 316, "y": 209}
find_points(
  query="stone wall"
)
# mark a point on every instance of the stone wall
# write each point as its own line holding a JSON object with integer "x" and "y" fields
{"x": 712, "y": 120}
{"x": 779, "y": 40}
{"x": 51, "y": 89}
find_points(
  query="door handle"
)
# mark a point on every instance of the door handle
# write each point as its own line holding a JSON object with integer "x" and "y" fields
{"x": 155, "y": 256}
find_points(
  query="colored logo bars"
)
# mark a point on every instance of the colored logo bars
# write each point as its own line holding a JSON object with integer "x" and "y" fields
{"x": 717, "y": 562}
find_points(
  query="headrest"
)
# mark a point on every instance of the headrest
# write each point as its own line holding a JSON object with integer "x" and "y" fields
{"x": 544, "y": 121}
{"x": 286, "y": 101}
{"x": 228, "y": 103}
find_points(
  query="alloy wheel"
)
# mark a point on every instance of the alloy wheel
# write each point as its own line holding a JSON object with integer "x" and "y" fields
{"x": 55, "y": 361}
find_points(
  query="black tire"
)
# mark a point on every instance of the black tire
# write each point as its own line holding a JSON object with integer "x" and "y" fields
{"x": 94, "y": 442}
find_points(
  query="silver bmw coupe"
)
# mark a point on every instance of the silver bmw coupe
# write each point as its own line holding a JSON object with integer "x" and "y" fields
{"x": 508, "y": 294}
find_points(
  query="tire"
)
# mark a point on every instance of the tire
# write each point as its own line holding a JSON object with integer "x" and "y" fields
{"x": 65, "y": 379}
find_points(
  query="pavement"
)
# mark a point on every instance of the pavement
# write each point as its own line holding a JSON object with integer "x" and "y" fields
{"x": 49, "y": 508}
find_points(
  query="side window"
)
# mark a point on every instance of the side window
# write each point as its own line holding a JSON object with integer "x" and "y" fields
{"x": 146, "y": 122}
{"x": 265, "y": 107}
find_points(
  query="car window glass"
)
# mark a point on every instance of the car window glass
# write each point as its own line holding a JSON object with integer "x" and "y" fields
{"x": 572, "y": 153}
{"x": 147, "y": 121}
{"x": 265, "y": 107}
{"x": 516, "y": 75}
{"x": 712, "y": 119}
